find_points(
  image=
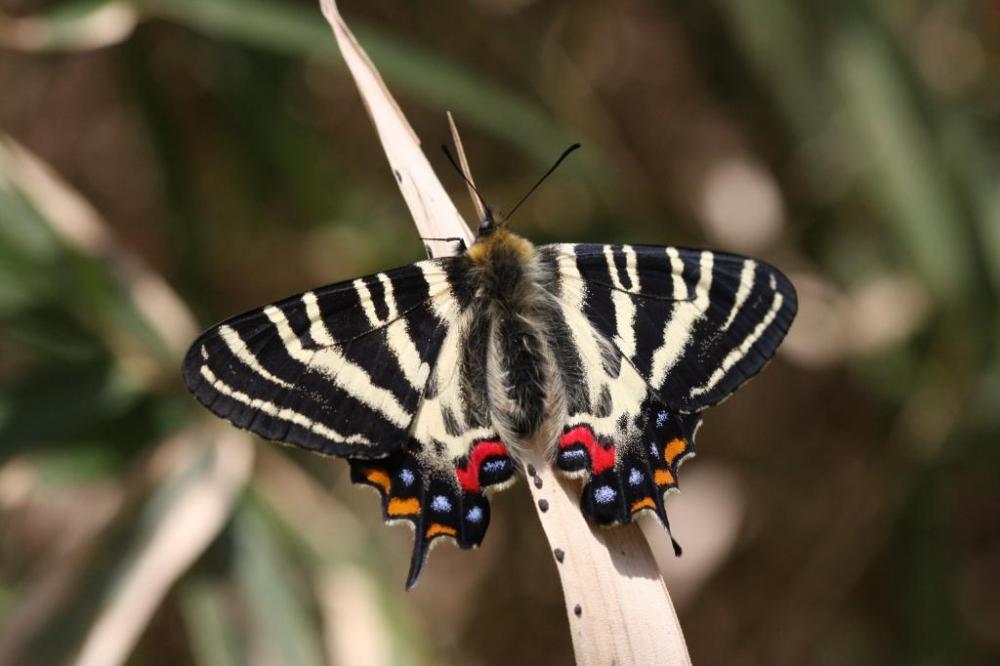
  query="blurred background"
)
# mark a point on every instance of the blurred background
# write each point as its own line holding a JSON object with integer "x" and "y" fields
{"x": 166, "y": 163}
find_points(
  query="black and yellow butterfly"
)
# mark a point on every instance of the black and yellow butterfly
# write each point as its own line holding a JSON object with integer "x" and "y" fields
{"x": 429, "y": 378}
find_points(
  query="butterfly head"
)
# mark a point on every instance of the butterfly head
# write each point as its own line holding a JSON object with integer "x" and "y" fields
{"x": 492, "y": 221}
{"x": 495, "y": 239}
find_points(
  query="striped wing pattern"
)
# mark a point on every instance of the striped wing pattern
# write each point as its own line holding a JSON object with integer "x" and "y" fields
{"x": 366, "y": 369}
{"x": 695, "y": 324}
{"x": 453, "y": 457}
{"x": 339, "y": 370}
{"x": 390, "y": 371}
{"x": 688, "y": 327}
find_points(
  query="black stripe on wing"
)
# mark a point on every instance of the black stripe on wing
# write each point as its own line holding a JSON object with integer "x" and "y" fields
{"x": 696, "y": 324}
{"x": 339, "y": 370}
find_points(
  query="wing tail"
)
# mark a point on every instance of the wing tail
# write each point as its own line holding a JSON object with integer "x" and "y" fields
{"x": 439, "y": 499}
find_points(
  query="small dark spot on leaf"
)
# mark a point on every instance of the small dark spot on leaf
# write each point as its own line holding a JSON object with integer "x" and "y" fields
{"x": 531, "y": 469}
{"x": 577, "y": 610}
{"x": 543, "y": 504}
{"x": 559, "y": 553}
{"x": 399, "y": 176}
{"x": 538, "y": 482}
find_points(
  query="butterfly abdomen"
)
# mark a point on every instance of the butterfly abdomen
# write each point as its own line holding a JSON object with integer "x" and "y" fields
{"x": 521, "y": 371}
{"x": 522, "y": 393}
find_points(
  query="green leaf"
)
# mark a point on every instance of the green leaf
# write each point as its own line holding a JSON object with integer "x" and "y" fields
{"x": 300, "y": 32}
{"x": 906, "y": 173}
{"x": 107, "y": 594}
{"x": 72, "y": 26}
{"x": 28, "y": 251}
{"x": 57, "y": 402}
{"x": 285, "y": 625}
{"x": 204, "y": 605}
{"x": 22, "y": 228}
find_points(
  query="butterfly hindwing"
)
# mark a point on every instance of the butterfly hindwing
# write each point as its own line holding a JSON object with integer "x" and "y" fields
{"x": 441, "y": 497}
{"x": 453, "y": 457}
{"x": 632, "y": 471}
{"x": 688, "y": 327}
{"x": 608, "y": 405}
{"x": 628, "y": 447}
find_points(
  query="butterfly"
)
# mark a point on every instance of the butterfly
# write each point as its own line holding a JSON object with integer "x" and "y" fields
{"x": 431, "y": 378}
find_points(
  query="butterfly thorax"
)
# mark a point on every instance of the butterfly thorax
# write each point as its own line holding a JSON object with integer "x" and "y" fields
{"x": 503, "y": 264}
{"x": 514, "y": 308}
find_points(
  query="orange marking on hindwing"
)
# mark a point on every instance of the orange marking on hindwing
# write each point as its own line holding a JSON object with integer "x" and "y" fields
{"x": 437, "y": 529}
{"x": 379, "y": 478}
{"x": 674, "y": 448}
{"x": 404, "y": 507}
{"x": 663, "y": 477}
{"x": 644, "y": 503}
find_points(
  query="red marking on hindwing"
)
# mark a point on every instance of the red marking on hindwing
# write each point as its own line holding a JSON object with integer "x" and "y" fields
{"x": 601, "y": 459}
{"x": 468, "y": 476}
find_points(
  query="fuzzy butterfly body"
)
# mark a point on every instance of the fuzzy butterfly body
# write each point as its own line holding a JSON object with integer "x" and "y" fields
{"x": 431, "y": 378}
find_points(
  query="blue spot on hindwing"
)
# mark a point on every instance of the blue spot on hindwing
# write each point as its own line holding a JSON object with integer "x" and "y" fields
{"x": 634, "y": 477}
{"x": 605, "y": 494}
{"x": 497, "y": 465}
{"x": 406, "y": 476}
{"x": 440, "y": 503}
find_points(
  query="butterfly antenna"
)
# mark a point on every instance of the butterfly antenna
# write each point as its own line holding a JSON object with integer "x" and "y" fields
{"x": 542, "y": 179}
{"x": 467, "y": 180}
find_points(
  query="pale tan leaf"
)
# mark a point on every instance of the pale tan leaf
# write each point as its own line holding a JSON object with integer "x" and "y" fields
{"x": 102, "y": 25}
{"x": 433, "y": 211}
{"x": 212, "y": 475}
{"x": 616, "y": 601}
{"x": 351, "y": 609}
{"x": 80, "y": 226}
{"x": 463, "y": 161}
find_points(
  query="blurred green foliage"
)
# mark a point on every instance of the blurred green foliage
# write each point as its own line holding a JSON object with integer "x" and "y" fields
{"x": 226, "y": 150}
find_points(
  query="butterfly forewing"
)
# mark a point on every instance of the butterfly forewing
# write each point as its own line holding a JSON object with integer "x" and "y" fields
{"x": 340, "y": 369}
{"x": 696, "y": 324}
